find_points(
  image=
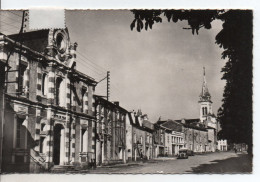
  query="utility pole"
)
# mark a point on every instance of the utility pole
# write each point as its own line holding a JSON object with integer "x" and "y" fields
{"x": 108, "y": 84}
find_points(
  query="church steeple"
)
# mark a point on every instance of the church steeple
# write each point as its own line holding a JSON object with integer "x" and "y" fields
{"x": 205, "y": 100}
{"x": 205, "y": 95}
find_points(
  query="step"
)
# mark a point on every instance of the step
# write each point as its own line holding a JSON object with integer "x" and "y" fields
{"x": 62, "y": 168}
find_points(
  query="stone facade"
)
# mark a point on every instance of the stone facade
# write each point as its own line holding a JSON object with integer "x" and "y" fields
{"x": 174, "y": 137}
{"x": 48, "y": 103}
{"x": 159, "y": 139}
{"x": 111, "y": 132}
{"x": 141, "y": 129}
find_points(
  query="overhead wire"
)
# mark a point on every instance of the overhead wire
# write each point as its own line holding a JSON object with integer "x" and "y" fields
{"x": 100, "y": 67}
{"x": 89, "y": 63}
{"x": 91, "y": 68}
{"x": 96, "y": 74}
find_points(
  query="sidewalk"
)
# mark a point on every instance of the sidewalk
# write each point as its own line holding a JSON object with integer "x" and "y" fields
{"x": 165, "y": 158}
{"x": 134, "y": 163}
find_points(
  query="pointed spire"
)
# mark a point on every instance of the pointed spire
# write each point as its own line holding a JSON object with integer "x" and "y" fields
{"x": 205, "y": 95}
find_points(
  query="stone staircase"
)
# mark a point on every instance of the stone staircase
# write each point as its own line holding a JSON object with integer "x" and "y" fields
{"x": 62, "y": 169}
{"x": 68, "y": 169}
{"x": 112, "y": 162}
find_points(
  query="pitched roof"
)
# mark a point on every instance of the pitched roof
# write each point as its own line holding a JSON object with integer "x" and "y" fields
{"x": 193, "y": 123}
{"x": 160, "y": 122}
{"x": 189, "y": 121}
{"x": 173, "y": 125}
{"x": 148, "y": 124}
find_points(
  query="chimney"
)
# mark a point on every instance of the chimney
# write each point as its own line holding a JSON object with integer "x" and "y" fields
{"x": 183, "y": 121}
{"x": 116, "y": 103}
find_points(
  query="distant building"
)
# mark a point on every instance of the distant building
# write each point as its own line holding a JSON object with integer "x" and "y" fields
{"x": 222, "y": 145}
{"x": 240, "y": 147}
{"x": 174, "y": 137}
{"x": 159, "y": 139}
{"x": 195, "y": 135}
{"x": 111, "y": 132}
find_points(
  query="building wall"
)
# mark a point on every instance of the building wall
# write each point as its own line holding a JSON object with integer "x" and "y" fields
{"x": 159, "y": 141}
{"x": 212, "y": 140}
{"x": 168, "y": 143}
{"x": 139, "y": 149}
{"x": 177, "y": 142}
{"x": 196, "y": 140}
{"x": 129, "y": 139}
{"x": 222, "y": 145}
{"x": 111, "y": 132}
{"x": 40, "y": 114}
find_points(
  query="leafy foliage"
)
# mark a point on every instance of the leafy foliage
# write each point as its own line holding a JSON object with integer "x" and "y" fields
{"x": 235, "y": 38}
{"x": 196, "y": 18}
{"x": 235, "y": 115}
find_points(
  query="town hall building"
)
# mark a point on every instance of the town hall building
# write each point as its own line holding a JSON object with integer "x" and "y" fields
{"x": 49, "y": 118}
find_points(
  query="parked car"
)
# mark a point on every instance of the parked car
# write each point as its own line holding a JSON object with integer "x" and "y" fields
{"x": 183, "y": 154}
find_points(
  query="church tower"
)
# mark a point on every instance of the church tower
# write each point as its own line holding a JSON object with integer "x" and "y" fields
{"x": 205, "y": 100}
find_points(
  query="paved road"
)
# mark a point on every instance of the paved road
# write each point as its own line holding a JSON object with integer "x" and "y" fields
{"x": 223, "y": 162}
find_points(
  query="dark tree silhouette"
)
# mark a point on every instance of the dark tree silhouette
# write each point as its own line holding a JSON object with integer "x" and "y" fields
{"x": 235, "y": 38}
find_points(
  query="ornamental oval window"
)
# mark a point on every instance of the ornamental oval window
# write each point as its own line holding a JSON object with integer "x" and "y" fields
{"x": 61, "y": 43}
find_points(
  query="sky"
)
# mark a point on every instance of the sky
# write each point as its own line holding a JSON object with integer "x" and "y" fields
{"x": 159, "y": 71}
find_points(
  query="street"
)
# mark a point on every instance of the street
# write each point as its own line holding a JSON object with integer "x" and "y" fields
{"x": 223, "y": 162}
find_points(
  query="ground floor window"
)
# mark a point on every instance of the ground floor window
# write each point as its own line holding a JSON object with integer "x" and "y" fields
{"x": 42, "y": 145}
{"x": 84, "y": 140}
{"x": 20, "y": 133}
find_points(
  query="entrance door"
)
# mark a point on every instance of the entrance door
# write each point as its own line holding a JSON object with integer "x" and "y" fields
{"x": 58, "y": 147}
{"x": 173, "y": 149}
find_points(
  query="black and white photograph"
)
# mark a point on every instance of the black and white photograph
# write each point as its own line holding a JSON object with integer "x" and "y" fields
{"x": 141, "y": 91}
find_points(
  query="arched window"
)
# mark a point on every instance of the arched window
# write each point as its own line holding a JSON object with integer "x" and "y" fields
{"x": 60, "y": 92}
{"x": 84, "y": 99}
{"x": 43, "y": 141}
{"x": 203, "y": 112}
{"x": 44, "y": 84}
{"x": 58, "y": 82}
{"x": 23, "y": 77}
{"x": 84, "y": 140}
{"x": 206, "y": 110}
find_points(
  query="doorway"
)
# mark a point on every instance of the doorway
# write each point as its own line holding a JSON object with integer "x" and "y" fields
{"x": 58, "y": 144}
{"x": 173, "y": 149}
